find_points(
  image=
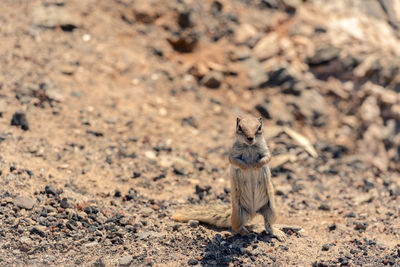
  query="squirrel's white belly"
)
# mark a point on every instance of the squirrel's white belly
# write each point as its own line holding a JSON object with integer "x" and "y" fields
{"x": 253, "y": 192}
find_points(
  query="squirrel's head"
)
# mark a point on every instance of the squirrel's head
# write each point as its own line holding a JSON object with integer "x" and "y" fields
{"x": 249, "y": 130}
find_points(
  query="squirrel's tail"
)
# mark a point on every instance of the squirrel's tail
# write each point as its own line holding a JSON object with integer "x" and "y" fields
{"x": 218, "y": 215}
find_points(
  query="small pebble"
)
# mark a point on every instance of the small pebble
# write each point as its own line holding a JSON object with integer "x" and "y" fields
{"x": 125, "y": 261}
{"x": 192, "y": 261}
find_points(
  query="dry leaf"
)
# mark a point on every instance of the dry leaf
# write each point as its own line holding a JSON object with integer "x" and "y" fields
{"x": 301, "y": 140}
{"x": 279, "y": 160}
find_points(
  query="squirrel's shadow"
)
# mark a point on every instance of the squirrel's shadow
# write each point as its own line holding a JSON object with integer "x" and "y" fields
{"x": 221, "y": 251}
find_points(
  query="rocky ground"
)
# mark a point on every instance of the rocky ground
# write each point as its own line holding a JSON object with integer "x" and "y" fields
{"x": 115, "y": 113}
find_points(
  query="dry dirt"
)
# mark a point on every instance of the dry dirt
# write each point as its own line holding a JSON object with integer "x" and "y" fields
{"x": 122, "y": 128}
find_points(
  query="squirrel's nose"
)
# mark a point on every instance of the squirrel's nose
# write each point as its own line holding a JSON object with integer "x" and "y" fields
{"x": 250, "y": 138}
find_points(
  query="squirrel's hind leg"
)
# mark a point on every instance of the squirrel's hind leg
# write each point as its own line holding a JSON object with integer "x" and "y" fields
{"x": 269, "y": 214}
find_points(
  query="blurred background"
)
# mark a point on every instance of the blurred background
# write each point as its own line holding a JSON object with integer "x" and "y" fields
{"x": 115, "y": 112}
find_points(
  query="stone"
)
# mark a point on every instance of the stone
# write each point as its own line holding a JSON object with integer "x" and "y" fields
{"x": 144, "y": 235}
{"x": 19, "y": 119}
{"x": 241, "y": 52}
{"x": 256, "y": 74}
{"x": 324, "y": 206}
{"x": 24, "y": 202}
{"x": 369, "y": 110}
{"x": 266, "y": 47}
{"x": 213, "y": 79}
{"x": 52, "y": 16}
{"x": 324, "y": 54}
{"x": 360, "y": 226}
{"x": 312, "y": 106}
{"x": 246, "y": 34}
{"x": 26, "y": 240}
{"x": 146, "y": 212}
{"x": 125, "y": 261}
{"x": 192, "y": 262}
{"x": 64, "y": 203}
{"x": 144, "y": 11}
{"x": 275, "y": 108}
{"x": 325, "y": 247}
{"x": 150, "y": 154}
{"x": 392, "y": 10}
{"x": 288, "y": 82}
{"x": 49, "y": 190}
{"x": 99, "y": 263}
{"x": 38, "y": 230}
{"x": 184, "y": 41}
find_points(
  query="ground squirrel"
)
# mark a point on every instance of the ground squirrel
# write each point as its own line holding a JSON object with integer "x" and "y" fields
{"x": 251, "y": 186}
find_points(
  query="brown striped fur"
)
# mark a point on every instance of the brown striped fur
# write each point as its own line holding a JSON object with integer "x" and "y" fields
{"x": 251, "y": 186}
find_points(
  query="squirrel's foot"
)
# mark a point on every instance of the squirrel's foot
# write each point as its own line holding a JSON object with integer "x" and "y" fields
{"x": 243, "y": 231}
{"x": 280, "y": 235}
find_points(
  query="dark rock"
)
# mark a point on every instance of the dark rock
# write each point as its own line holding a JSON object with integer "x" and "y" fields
{"x": 117, "y": 193}
{"x": 144, "y": 12}
{"x": 178, "y": 170}
{"x": 191, "y": 121}
{"x": 184, "y": 20}
{"x": 37, "y": 231}
{"x": 99, "y": 263}
{"x": 367, "y": 185}
{"x": 184, "y": 41}
{"x": 332, "y": 227}
{"x": 288, "y": 83}
{"x": 72, "y": 225}
{"x": 109, "y": 159}
{"x": 49, "y": 190}
{"x": 325, "y": 247}
{"x": 360, "y": 226}
{"x": 19, "y": 119}
{"x": 88, "y": 210}
{"x": 324, "y": 206}
{"x": 136, "y": 175}
{"x": 95, "y": 133}
{"x": 64, "y": 203}
{"x": 271, "y": 3}
{"x": 132, "y": 194}
{"x": 324, "y": 55}
{"x": 159, "y": 177}
{"x": 213, "y": 79}
{"x": 192, "y": 261}
{"x": 24, "y": 202}
{"x": 200, "y": 189}
{"x": 350, "y": 215}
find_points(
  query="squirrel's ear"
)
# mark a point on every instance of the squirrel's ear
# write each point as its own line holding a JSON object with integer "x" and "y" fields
{"x": 237, "y": 121}
{"x": 260, "y": 120}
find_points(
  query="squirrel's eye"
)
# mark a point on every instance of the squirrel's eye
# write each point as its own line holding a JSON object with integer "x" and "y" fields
{"x": 259, "y": 128}
{"x": 239, "y": 129}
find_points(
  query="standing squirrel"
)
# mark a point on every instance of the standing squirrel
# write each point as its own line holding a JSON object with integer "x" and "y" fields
{"x": 251, "y": 186}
